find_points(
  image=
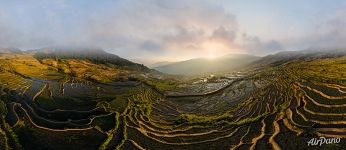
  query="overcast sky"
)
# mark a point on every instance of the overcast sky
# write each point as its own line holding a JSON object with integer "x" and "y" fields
{"x": 149, "y": 31}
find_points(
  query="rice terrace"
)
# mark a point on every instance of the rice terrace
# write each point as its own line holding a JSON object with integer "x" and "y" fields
{"x": 236, "y": 96}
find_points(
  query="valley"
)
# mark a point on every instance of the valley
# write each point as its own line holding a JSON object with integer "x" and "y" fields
{"x": 65, "y": 102}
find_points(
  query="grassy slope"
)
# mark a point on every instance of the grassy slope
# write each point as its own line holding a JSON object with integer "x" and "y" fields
{"x": 27, "y": 65}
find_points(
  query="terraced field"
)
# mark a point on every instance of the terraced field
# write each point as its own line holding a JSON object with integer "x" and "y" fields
{"x": 279, "y": 107}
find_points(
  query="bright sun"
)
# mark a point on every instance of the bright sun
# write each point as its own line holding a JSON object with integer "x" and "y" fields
{"x": 214, "y": 50}
{"x": 211, "y": 55}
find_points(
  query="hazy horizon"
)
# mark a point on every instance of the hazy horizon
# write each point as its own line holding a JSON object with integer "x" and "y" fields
{"x": 152, "y": 31}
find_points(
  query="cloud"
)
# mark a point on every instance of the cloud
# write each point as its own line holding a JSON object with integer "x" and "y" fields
{"x": 183, "y": 38}
{"x": 132, "y": 28}
{"x": 161, "y": 27}
{"x": 150, "y": 46}
{"x": 330, "y": 33}
{"x": 255, "y": 45}
{"x": 164, "y": 27}
{"x": 7, "y": 35}
{"x": 156, "y": 28}
{"x": 326, "y": 32}
{"x": 224, "y": 35}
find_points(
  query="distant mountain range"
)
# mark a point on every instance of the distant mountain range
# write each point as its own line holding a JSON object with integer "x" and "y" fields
{"x": 196, "y": 66}
{"x": 9, "y": 50}
{"x": 289, "y": 56}
{"x": 161, "y": 63}
{"x": 236, "y": 61}
{"x": 203, "y": 65}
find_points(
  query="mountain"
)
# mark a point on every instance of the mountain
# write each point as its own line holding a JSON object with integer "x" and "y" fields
{"x": 291, "y": 56}
{"x": 93, "y": 54}
{"x": 203, "y": 65}
{"x": 54, "y": 64}
{"x": 10, "y": 51}
{"x": 161, "y": 63}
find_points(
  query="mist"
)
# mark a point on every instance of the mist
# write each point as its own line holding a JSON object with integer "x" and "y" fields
{"x": 149, "y": 31}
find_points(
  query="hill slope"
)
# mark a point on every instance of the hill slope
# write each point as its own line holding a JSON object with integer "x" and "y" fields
{"x": 95, "y": 55}
{"x": 290, "y": 56}
{"x": 90, "y": 64}
{"x": 204, "y": 65}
